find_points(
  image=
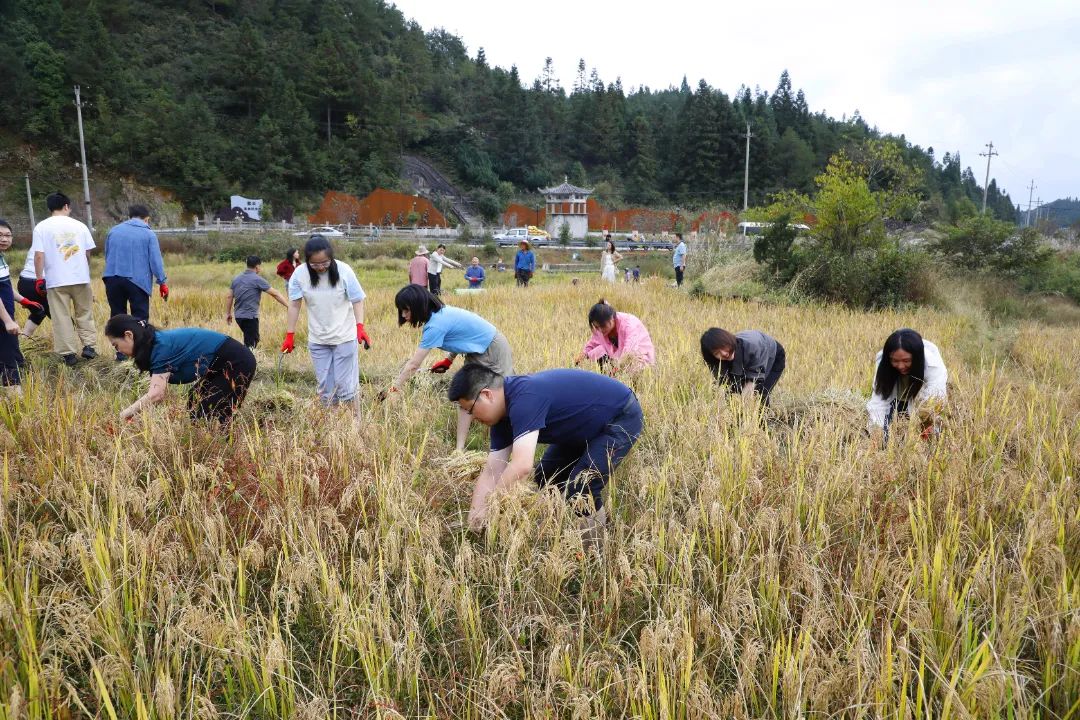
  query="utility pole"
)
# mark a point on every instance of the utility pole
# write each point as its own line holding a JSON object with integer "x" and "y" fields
{"x": 82, "y": 153}
{"x": 746, "y": 173}
{"x": 30, "y": 203}
{"x": 1031, "y": 190}
{"x": 986, "y": 183}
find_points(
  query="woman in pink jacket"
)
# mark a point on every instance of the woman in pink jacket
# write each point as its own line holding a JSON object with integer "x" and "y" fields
{"x": 619, "y": 343}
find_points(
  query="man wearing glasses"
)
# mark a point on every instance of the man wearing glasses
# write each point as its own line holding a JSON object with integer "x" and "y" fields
{"x": 588, "y": 421}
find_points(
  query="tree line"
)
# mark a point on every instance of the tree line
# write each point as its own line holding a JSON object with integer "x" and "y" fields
{"x": 284, "y": 99}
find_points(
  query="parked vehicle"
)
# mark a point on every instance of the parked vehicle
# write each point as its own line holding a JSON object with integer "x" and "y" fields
{"x": 324, "y": 230}
{"x": 513, "y": 236}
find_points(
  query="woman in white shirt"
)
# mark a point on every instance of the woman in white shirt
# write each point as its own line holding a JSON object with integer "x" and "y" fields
{"x": 910, "y": 372}
{"x": 335, "y": 304}
{"x": 608, "y": 258}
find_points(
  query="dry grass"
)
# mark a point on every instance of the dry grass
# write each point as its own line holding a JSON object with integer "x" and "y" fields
{"x": 306, "y": 567}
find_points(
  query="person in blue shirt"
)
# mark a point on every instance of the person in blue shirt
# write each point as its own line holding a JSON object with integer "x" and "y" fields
{"x": 524, "y": 264}
{"x": 455, "y": 331}
{"x": 475, "y": 274}
{"x": 132, "y": 262}
{"x": 588, "y": 421}
{"x": 219, "y": 368}
{"x": 678, "y": 259}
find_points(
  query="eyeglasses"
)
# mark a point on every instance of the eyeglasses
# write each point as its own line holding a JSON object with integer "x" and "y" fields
{"x": 324, "y": 264}
{"x": 473, "y": 406}
{"x": 4, "y": 235}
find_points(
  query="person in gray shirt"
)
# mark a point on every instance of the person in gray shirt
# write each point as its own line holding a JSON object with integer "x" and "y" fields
{"x": 243, "y": 301}
{"x": 747, "y": 362}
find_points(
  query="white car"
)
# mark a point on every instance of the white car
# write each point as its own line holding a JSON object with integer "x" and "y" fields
{"x": 325, "y": 231}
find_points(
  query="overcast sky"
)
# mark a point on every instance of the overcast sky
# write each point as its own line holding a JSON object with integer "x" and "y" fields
{"x": 950, "y": 75}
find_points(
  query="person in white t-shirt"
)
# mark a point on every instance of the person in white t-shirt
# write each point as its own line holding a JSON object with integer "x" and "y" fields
{"x": 60, "y": 247}
{"x": 335, "y": 305}
{"x": 26, "y": 287}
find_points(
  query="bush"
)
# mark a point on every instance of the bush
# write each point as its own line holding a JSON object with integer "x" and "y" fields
{"x": 872, "y": 278}
{"x": 1060, "y": 277}
{"x": 564, "y": 234}
{"x": 773, "y": 249}
{"x": 982, "y": 243}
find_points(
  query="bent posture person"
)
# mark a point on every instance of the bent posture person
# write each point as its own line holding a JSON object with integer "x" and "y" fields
{"x": 588, "y": 421}
{"x": 910, "y": 372}
{"x": 747, "y": 362}
{"x": 620, "y": 341}
{"x": 456, "y": 331}
{"x": 219, "y": 368}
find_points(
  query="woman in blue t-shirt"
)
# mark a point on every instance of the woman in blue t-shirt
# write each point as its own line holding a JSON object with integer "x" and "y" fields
{"x": 220, "y": 368}
{"x": 456, "y": 331}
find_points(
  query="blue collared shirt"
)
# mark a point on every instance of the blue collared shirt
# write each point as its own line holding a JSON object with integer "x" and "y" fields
{"x": 132, "y": 251}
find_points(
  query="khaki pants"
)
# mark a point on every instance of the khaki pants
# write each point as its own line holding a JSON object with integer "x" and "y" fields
{"x": 72, "y": 309}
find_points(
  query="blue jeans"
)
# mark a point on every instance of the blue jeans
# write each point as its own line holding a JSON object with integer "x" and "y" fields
{"x": 585, "y": 468}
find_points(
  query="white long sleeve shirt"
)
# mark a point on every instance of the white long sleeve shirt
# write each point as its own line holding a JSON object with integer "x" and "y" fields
{"x": 437, "y": 262}
{"x": 934, "y": 386}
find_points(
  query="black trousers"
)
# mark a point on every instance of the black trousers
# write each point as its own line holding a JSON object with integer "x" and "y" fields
{"x": 123, "y": 294}
{"x": 250, "y": 328}
{"x": 434, "y": 283}
{"x": 218, "y": 393}
{"x": 523, "y": 277}
{"x": 678, "y": 276}
{"x": 27, "y": 290}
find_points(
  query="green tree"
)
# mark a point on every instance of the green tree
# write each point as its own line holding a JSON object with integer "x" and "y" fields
{"x": 773, "y": 249}
{"x": 981, "y": 243}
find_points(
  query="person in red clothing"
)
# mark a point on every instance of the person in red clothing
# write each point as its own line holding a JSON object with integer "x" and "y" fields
{"x": 286, "y": 267}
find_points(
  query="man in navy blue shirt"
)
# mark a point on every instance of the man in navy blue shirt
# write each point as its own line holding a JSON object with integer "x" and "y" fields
{"x": 588, "y": 421}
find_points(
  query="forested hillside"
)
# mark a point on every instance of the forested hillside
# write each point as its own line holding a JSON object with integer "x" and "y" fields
{"x": 284, "y": 99}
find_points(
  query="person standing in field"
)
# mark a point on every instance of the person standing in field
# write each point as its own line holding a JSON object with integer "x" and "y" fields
{"x": 588, "y": 421}
{"x": 27, "y": 289}
{"x": 218, "y": 368}
{"x": 475, "y": 275}
{"x": 418, "y": 267}
{"x": 619, "y": 343}
{"x": 335, "y": 313}
{"x": 454, "y": 331}
{"x": 608, "y": 259}
{"x": 245, "y": 292}
{"x": 288, "y": 264}
{"x": 132, "y": 262}
{"x": 436, "y": 264}
{"x": 62, "y": 270}
{"x": 637, "y": 273}
{"x": 524, "y": 264}
{"x": 749, "y": 362}
{"x": 678, "y": 259}
{"x": 11, "y": 357}
{"x": 909, "y": 375}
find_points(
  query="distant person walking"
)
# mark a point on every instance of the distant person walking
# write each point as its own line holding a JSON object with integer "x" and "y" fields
{"x": 619, "y": 343}
{"x": 288, "y": 265}
{"x": 60, "y": 247}
{"x": 418, "y": 267}
{"x": 678, "y": 259}
{"x": 475, "y": 274}
{"x": 748, "y": 362}
{"x": 132, "y": 262}
{"x": 524, "y": 264}
{"x": 608, "y": 259}
{"x": 335, "y": 306}
{"x": 245, "y": 292}
{"x": 436, "y": 264}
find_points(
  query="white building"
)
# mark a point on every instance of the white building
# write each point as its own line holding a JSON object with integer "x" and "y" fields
{"x": 566, "y": 204}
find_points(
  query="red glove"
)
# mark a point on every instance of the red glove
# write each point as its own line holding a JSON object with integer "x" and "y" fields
{"x": 27, "y": 303}
{"x": 164, "y": 290}
{"x": 289, "y": 345}
{"x": 362, "y": 336}
{"x": 441, "y": 366}
{"x": 39, "y": 285}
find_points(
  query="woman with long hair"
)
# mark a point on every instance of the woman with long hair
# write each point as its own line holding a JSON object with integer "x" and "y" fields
{"x": 219, "y": 368}
{"x": 455, "y": 331}
{"x": 620, "y": 343}
{"x": 909, "y": 372}
{"x": 608, "y": 259}
{"x": 335, "y": 313}
{"x": 288, "y": 265}
{"x": 748, "y": 362}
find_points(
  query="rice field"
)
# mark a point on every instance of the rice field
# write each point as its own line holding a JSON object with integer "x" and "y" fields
{"x": 306, "y": 566}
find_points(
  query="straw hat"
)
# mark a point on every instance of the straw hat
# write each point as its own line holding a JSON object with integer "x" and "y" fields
{"x": 422, "y": 250}
{"x": 525, "y": 242}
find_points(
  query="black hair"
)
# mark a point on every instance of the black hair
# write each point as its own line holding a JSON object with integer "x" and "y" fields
{"x": 610, "y": 245}
{"x": 254, "y": 261}
{"x": 315, "y": 244}
{"x": 601, "y": 313}
{"x": 678, "y": 235}
{"x": 886, "y": 376}
{"x": 441, "y": 246}
{"x": 420, "y": 303}
{"x": 470, "y": 380}
{"x": 712, "y": 340}
{"x": 289, "y": 254}
{"x": 56, "y": 201}
{"x": 138, "y": 211}
{"x": 4, "y": 223}
{"x": 142, "y": 333}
